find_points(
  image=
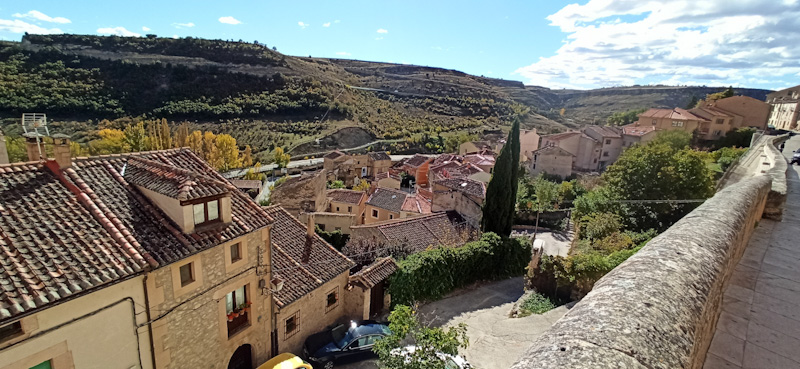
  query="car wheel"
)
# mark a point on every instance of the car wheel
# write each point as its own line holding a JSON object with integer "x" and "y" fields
{"x": 328, "y": 365}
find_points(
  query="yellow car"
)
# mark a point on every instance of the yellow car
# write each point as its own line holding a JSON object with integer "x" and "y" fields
{"x": 285, "y": 361}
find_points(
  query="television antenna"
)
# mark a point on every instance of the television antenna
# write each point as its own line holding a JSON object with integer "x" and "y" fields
{"x": 34, "y": 124}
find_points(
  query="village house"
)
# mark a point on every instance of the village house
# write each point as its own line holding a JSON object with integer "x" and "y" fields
{"x": 352, "y": 168}
{"x": 388, "y": 204}
{"x": 156, "y": 247}
{"x": 785, "y": 108}
{"x": 528, "y": 143}
{"x": 315, "y": 279}
{"x": 633, "y": 134}
{"x": 753, "y": 112}
{"x": 483, "y": 159}
{"x": 344, "y": 209}
{"x": 417, "y": 167}
{"x": 610, "y": 140}
{"x": 454, "y": 169}
{"x": 301, "y": 194}
{"x": 552, "y": 160}
{"x": 463, "y": 195}
{"x": 415, "y": 234}
{"x": 370, "y": 281}
{"x": 387, "y": 180}
{"x": 586, "y": 150}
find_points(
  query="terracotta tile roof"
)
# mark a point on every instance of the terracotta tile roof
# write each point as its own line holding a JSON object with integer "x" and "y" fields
{"x": 246, "y": 184}
{"x": 335, "y": 154}
{"x": 604, "y": 131}
{"x": 560, "y": 136}
{"x": 637, "y": 130}
{"x": 443, "y": 168}
{"x": 347, "y": 196}
{"x": 417, "y": 160}
{"x": 374, "y": 273}
{"x": 445, "y": 158}
{"x": 303, "y": 264}
{"x": 416, "y": 204}
{"x": 53, "y": 247}
{"x": 465, "y": 185}
{"x": 479, "y": 159}
{"x": 423, "y": 232}
{"x": 64, "y": 233}
{"x": 551, "y": 150}
{"x": 172, "y": 181}
{"x": 388, "y": 199}
{"x": 710, "y": 112}
{"x": 381, "y": 155}
{"x": 676, "y": 113}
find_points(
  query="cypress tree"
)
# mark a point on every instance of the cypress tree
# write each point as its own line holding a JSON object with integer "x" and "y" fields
{"x": 501, "y": 194}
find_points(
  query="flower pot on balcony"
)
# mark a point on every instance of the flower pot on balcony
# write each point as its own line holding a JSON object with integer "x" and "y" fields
{"x": 230, "y": 317}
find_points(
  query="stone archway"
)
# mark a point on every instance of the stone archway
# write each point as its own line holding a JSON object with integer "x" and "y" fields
{"x": 242, "y": 358}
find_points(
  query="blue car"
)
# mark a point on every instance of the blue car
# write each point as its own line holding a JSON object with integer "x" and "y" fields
{"x": 345, "y": 340}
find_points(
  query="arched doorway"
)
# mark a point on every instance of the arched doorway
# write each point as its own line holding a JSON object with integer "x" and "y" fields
{"x": 242, "y": 358}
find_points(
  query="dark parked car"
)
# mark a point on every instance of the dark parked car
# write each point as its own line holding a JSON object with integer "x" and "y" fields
{"x": 796, "y": 157}
{"x": 345, "y": 340}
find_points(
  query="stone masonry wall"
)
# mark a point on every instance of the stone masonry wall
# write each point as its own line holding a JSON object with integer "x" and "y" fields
{"x": 659, "y": 308}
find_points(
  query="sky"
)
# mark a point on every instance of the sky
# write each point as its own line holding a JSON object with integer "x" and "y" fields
{"x": 556, "y": 44}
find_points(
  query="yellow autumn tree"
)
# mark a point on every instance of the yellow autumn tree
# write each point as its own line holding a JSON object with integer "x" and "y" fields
{"x": 181, "y": 136}
{"x": 136, "y": 137}
{"x": 195, "y": 142}
{"x": 111, "y": 141}
{"x": 210, "y": 152}
{"x": 281, "y": 159}
{"x": 247, "y": 156}
{"x": 228, "y": 152}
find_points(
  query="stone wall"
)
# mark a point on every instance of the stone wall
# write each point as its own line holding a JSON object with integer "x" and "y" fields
{"x": 659, "y": 308}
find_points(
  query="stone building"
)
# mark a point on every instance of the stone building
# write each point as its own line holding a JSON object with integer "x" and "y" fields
{"x": 528, "y": 143}
{"x": 610, "y": 140}
{"x": 344, "y": 209}
{"x": 483, "y": 159}
{"x": 388, "y": 204}
{"x": 302, "y": 194}
{"x": 633, "y": 134}
{"x": 315, "y": 279}
{"x": 462, "y": 195}
{"x": 416, "y": 234}
{"x": 754, "y": 112}
{"x": 155, "y": 247}
{"x": 586, "y": 150}
{"x": 352, "y": 168}
{"x": 785, "y": 108}
{"x": 552, "y": 160}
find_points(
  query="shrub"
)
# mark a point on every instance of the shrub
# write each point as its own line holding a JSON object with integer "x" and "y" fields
{"x": 431, "y": 274}
{"x": 536, "y": 303}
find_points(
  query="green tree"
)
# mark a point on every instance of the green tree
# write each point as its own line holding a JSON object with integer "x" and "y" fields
{"x": 675, "y": 139}
{"x": 658, "y": 171}
{"x": 136, "y": 137}
{"x": 501, "y": 194}
{"x": 281, "y": 159}
{"x": 728, "y": 92}
{"x": 336, "y": 184}
{"x": 429, "y": 342}
{"x": 625, "y": 117}
{"x": 363, "y": 185}
{"x": 693, "y": 102}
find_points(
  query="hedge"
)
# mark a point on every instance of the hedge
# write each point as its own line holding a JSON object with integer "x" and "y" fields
{"x": 429, "y": 275}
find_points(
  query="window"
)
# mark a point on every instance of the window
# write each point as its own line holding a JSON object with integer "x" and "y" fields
{"x": 717, "y": 133}
{"x": 608, "y": 142}
{"x": 332, "y": 300}
{"x": 236, "y": 252}
{"x": 292, "y": 325}
{"x": 43, "y": 365}
{"x": 365, "y": 341}
{"x": 237, "y": 307}
{"x": 321, "y": 227}
{"x": 677, "y": 123}
{"x": 337, "y": 208}
{"x": 391, "y": 216}
{"x": 719, "y": 121}
{"x": 337, "y": 228}
{"x": 654, "y": 122}
{"x": 206, "y": 212}
{"x": 187, "y": 274}
{"x": 374, "y": 213}
{"x": 10, "y": 331}
{"x": 605, "y": 153}
{"x": 349, "y": 209}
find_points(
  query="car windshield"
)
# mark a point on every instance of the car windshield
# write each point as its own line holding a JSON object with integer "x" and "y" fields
{"x": 341, "y": 336}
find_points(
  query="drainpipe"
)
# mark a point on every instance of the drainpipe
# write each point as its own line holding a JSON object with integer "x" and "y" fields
{"x": 149, "y": 324}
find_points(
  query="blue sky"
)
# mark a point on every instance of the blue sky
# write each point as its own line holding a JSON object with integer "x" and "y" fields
{"x": 557, "y": 44}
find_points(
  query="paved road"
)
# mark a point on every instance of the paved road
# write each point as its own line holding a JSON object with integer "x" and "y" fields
{"x": 496, "y": 341}
{"x": 294, "y": 164}
{"x": 556, "y": 243}
{"x": 759, "y": 326}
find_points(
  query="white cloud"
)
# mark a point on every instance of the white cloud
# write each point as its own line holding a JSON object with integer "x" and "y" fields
{"x": 145, "y": 29}
{"x": 229, "y": 20}
{"x": 37, "y": 15}
{"x": 183, "y": 25}
{"x": 625, "y": 42}
{"x": 381, "y": 30}
{"x": 18, "y": 26}
{"x": 343, "y": 53}
{"x": 302, "y": 25}
{"x": 326, "y": 24}
{"x": 119, "y": 31}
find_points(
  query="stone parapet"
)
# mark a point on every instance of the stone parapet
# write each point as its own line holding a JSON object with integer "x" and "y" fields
{"x": 659, "y": 308}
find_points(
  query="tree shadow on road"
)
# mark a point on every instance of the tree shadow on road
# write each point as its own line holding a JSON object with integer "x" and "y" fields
{"x": 471, "y": 299}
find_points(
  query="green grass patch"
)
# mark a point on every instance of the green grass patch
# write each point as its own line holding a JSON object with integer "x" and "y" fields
{"x": 536, "y": 303}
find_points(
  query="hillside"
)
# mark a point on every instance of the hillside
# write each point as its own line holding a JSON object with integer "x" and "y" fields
{"x": 268, "y": 99}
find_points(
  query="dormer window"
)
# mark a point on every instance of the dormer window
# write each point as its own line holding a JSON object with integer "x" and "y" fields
{"x": 206, "y": 212}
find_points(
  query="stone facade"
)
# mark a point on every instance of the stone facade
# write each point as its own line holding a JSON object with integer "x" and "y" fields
{"x": 301, "y": 194}
{"x": 312, "y": 314}
{"x": 551, "y": 160}
{"x": 785, "y": 108}
{"x": 192, "y": 318}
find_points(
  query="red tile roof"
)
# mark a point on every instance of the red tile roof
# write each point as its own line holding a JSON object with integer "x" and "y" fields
{"x": 560, "y": 136}
{"x": 465, "y": 185}
{"x": 347, "y": 196}
{"x": 303, "y": 264}
{"x": 604, "y": 131}
{"x": 552, "y": 150}
{"x": 380, "y": 155}
{"x": 417, "y": 204}
{"x": 422, "y": 232}
{"x": 172, "y": 181}
{"x": 417, "y": 160}
{"x": 374, "y": 273}
{"x": 388, "y": 199}
{"x": 479, "y": 159}
{"x": 335, "y": 154}
{"x": 64, "y": 233}
{"x": 676, "y": 113}
{"x": 246, "y": 184}
{"x": 636, "y": 130}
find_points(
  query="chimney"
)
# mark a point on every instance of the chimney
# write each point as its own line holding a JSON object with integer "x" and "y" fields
{"x": 34, "y": 146}
{"x": 3, "y": 151}
{"x": 61, "y": 150}
{"x": 311, "y": 227}
{"x": 310, "y": 233}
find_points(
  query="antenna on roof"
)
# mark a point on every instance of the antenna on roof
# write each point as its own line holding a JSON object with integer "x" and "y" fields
{"x": 33, "y": 124}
